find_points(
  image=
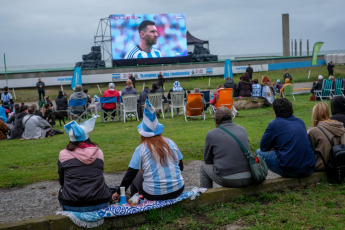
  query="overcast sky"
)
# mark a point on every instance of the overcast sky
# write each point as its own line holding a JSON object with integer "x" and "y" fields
{"x": 39, "y": 32}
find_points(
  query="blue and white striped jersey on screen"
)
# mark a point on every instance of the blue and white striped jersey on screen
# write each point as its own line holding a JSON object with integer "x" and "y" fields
{"x": 136, "y": 52}
{"x": 158, "y": 179}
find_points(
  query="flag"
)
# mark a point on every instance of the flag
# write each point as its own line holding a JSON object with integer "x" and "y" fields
{"x": 228, "y": 69}
{"x": 76, "y": 80}
{"x": 316, "y": 50}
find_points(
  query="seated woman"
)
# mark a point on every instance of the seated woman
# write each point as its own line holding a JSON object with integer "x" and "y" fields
{"x": 159, "y": 160}
{"x": 244, "y": 87}
{"x": 18, "y": 128}
{"x": 61, "y": 102}
{"x": 35, "y": 127}
{"x": 215, "y": 95}
{"x": 80, "y": 169}
{"x": 287, "y": 82}
{"x": 318, "y": 140}
{"x": 267, "y": 89}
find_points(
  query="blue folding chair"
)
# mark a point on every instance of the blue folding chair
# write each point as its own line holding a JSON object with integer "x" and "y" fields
{"x": 109, "y": 113}
{"x": 77, "y": 110}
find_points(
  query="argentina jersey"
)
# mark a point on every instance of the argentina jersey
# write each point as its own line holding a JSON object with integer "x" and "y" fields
{"x": 136, "y": 52}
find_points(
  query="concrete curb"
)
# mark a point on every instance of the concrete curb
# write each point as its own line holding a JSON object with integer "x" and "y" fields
{"x": 210, "y": 197}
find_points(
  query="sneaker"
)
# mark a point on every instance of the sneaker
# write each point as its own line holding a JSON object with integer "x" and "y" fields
{"x": 112, "y": 119}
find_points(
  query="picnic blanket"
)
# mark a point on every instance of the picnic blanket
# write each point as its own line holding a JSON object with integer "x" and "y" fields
{"x": 96, "y": 218}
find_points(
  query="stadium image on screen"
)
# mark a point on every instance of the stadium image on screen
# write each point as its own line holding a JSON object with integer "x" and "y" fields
{"x": 137, "y": 36}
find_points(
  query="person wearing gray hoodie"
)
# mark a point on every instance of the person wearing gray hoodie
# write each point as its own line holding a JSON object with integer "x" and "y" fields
{"x": 78, "y": 94}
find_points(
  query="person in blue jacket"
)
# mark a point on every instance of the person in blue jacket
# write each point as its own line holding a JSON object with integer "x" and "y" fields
{"x": 285, "y": 145}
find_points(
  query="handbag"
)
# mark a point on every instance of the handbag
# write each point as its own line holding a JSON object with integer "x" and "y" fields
{"x": 257, "y": 164}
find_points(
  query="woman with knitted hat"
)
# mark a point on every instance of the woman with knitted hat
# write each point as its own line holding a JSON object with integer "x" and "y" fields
{"x": 159, "y": 160}
{"x": 80, "y": 169}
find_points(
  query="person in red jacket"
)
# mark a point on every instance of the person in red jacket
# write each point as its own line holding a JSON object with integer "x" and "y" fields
{"x": 111, "y": 92}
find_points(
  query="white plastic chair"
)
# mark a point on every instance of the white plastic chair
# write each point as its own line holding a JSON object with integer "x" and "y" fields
{"x": 129, "y": 105}
{"x": 177, "y": 101}
{"x": 156, "y": 100}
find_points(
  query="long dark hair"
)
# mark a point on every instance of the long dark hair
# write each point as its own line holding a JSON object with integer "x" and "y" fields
{"x": 72, "y": 145}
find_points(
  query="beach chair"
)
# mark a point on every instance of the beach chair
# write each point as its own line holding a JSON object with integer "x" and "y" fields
{"x": 129, "y": 105}
{"x": 288, "y": 91}
{"x": 177, "y": 101}
{"x": 326, "y": 90}
{"x": 109, "y": 113}
{"x": 339, "y": 87}
{"x": 207, "y": 100}
{"x": 156, "y": 100}
{"x": 225, "y": 98}
{"x": 195, "y": 106}
{"x": 80, "y": 114}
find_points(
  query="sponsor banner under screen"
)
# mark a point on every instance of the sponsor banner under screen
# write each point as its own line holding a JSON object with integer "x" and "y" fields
{"x": 104, "y": 78}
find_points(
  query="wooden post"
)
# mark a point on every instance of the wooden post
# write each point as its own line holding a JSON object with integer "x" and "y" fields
{"x": 14, "y": 94}
{"x": 143, "y": 86}
{"x": 209, "y": 82}
{"x": 99, "y": 90}
{"x": 309, "y": 74}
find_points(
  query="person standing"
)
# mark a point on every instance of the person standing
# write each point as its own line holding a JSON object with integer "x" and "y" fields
{"x": 161, "y": 80}
{"x": 250, "y": 71}
{"x": 224, "y": 161}
{"x": 287, "y": 75}
{"x": 40, "y": 88}
{"x": 330, "y": 67}
{"x": 285, "y": 145}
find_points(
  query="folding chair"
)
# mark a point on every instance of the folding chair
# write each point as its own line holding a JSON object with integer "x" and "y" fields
{"x": 339, "y": 88}
{"x": 326, "y": 90}
{"x": 109, "y": 113}
{"x": 225, "y": 98}
{"x": 156, "y": 100}
{"x": 195, "y": 106}
{"x": 206, "y": 100}
{"x": 129, "y": 105}
{"x": 79, "y": 113}
{"x": 177, "y": 101}
{"x": 288, "y": 91}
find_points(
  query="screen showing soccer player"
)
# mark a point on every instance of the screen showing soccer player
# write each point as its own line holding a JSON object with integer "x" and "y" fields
{"x": 148, "y": 36}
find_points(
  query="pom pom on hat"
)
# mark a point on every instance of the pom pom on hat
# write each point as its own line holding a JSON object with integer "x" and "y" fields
{"x": 150, "y": 126}
{"x": 81, "y": 132}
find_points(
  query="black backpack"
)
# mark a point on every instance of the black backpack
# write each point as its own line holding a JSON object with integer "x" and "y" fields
{"x": 335, "y": 167}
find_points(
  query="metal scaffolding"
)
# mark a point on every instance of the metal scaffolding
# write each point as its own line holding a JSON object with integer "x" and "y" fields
{"x": 103, "y": 39}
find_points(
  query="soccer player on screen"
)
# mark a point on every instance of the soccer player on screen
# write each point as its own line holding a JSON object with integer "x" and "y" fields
{"x": 148, "y": 37}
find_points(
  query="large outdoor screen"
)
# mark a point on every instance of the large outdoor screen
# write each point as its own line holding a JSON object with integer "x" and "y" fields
{"x": 139, "y": 36}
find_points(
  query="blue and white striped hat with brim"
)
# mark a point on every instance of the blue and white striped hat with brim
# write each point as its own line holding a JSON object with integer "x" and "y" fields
{"x": 81, "y": 132}
{"x": 150, "y": 126}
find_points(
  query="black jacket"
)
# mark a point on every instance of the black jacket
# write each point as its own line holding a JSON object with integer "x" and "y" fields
{"x": 18, "y": 128}
{"x": 61, "y": 103}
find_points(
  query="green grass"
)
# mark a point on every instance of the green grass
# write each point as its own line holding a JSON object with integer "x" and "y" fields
{"x": 29, "y": 161}
{"x": 298, "y": 75}
{"x": 316, "y": 207}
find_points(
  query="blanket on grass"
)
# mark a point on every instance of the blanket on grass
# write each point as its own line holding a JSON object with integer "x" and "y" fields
{"x": 96, "y": 218}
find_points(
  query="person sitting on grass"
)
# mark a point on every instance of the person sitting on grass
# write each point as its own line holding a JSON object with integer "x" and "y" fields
{"x": 61, "y": 102}
{"x": 46, "y": 111}
{"x": 338, "y": 109}
{"x": 3, "y": 129}
{"x": 224, "y": 161}
{"x": 80, "y": 168}
{"x": 18, "y": 128}
{"x": 35, "y": 127}
{"x": 244, "y": 86}
{"x": 285, "y": 145}
{"x": 155, "y": 168}
{"x": 287, "y": 82}
{"x": 318, "y": 140}
{"x": 279, "y": 85}
{"x": 256, "y": 89}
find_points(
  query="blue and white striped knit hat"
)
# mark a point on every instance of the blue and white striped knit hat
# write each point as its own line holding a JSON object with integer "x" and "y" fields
{"x": 77, "y": 132}
{"x": 150, "y": 126}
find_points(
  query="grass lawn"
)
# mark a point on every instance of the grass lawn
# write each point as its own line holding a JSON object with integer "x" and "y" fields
{"x": 29, "y": 161}
{"x": 318, "y": 206}
{"x": 298, "y": 75}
